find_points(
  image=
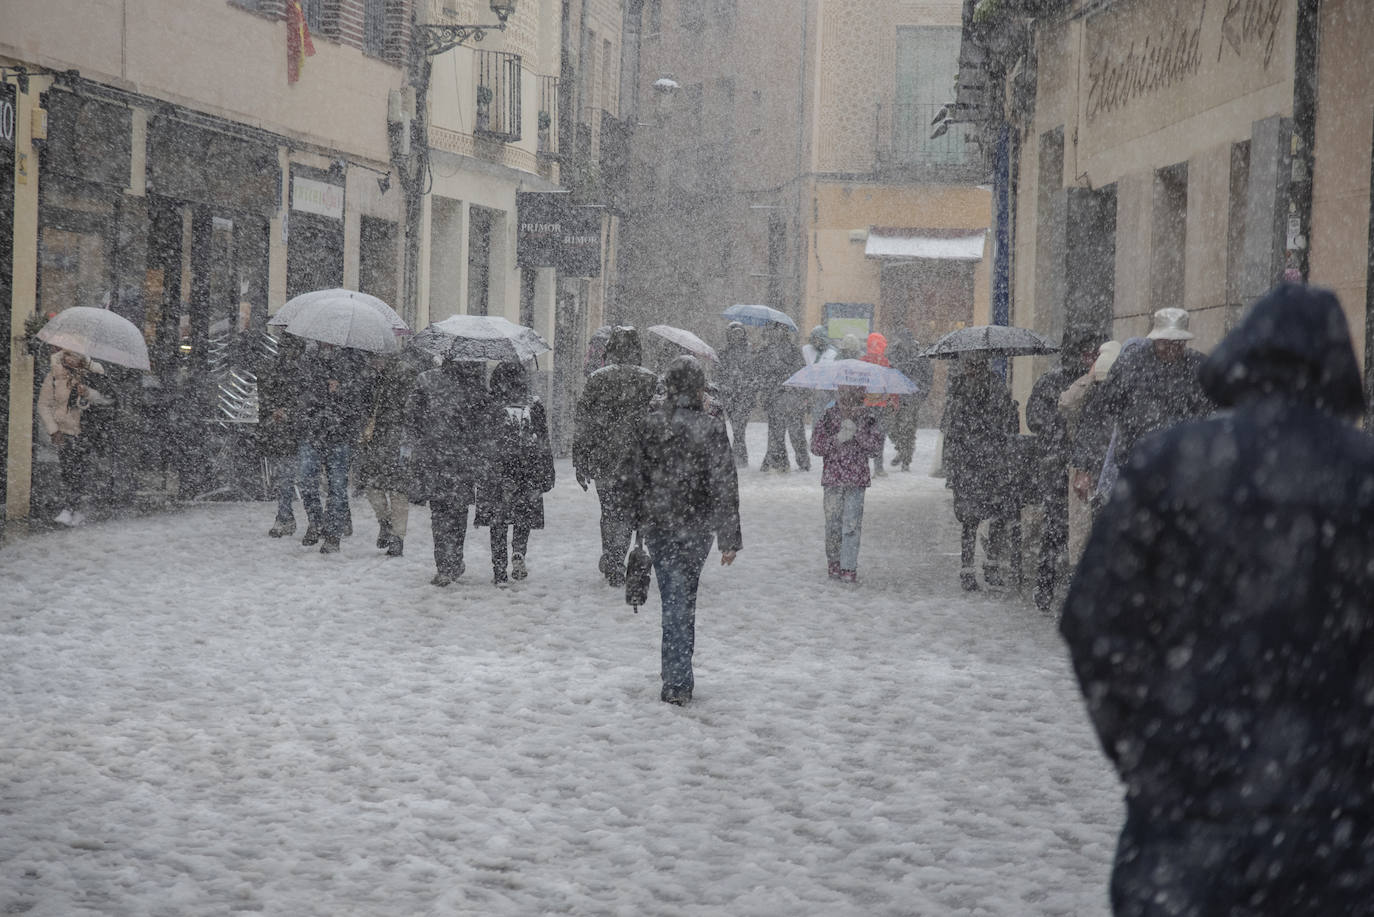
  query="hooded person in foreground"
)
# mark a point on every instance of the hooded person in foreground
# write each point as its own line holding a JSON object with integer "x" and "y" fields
{"x": 1221, "y": 624}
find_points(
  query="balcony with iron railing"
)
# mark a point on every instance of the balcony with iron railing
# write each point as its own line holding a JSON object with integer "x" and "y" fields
{"x": 548, "y": 145}
{"x": 498, "y": 95}
{"x": 905, "y": 144}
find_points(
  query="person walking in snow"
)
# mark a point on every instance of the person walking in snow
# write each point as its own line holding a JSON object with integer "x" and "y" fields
{"x": 684, "y": 494}
{"x": 382, "y": 462}
{"x": 63, "y": 398}
{"x": 883, "y": 406}
{"x": 904, "y": 353}
{"x": 980, "y": 417}
{"x": 846, "y": 438}
{"x": 512, "y": 496}
{"x": 777, "y": 358}
{"x": 1074, "y": 408}
{"x": 1221, "y": 626}
{"x": 279, "y": 426}
{"x": 335, "y": 386}
{"x": 1049, "y": 484}
{"x": 614, "y": 402}
{"x": 738, "y": 387}
{"x": 818, "y": 349}
{"x": 449, "y": 420}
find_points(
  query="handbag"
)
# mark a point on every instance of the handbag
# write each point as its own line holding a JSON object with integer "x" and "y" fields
{"x": 637, "y": 571}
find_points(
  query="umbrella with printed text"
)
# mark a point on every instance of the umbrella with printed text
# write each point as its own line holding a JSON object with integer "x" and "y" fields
{"x": 871, "y": 377}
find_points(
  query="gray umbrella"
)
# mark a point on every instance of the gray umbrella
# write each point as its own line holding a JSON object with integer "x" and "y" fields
{"x": 992, "y": 341}
{"x": 480, "y": 337}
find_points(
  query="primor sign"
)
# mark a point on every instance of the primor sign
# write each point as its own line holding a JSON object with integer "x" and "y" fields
{"x": 553, "y": 232}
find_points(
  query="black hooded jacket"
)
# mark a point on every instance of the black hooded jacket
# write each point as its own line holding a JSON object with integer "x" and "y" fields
{"x": 1221, "y": 621}
{"x": 613, "y": 403}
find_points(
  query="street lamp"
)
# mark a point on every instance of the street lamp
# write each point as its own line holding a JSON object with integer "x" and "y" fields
{"x": 434, "y": 39}
{"x": 409, "y": 132}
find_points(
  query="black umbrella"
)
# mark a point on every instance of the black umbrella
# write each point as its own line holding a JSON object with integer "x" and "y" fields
{"x": 992, "y": 341}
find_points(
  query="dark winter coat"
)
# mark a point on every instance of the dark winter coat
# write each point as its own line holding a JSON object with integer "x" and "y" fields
{"x": 738, "y": 387}
{"x": 980, "y": 426}
{"x": 846, "y": 464}
{"x": 380, "y": 463}
{"x": 682, "y": 479}
{"x": 1051, "y": 432}
{"x": 613, "y": 404}
{"x": 1142, "y": 394}
{"x": 1221, "y": 622}
{"x": 279, "y": 391}
{"x": 335, "y": 392}
{"x": 522, "y": 469}
{"x": 449, "y": 421}
{"x": 776, "y": 360}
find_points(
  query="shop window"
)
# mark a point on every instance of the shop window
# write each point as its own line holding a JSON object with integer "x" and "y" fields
{"x": 377, "y": 255}
{"x": 1169, "y": 237}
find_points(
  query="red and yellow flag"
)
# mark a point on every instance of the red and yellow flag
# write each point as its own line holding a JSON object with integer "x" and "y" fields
{"x": 298, "y": 43}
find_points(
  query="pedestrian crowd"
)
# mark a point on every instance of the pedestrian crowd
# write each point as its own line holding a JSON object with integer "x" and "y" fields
{"x": 1216, "y": 512}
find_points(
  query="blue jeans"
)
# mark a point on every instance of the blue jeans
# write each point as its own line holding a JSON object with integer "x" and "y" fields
{"x": 335, "y": 461}
{"x": 283, "y": 469}
{"x": 678, "y": 558}
{"x": 844, "y": 522}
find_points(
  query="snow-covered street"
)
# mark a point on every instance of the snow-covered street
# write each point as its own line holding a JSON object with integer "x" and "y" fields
{"x": 202, "y": 720}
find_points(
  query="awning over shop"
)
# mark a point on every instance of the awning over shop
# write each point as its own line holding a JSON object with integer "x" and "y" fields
{"x": 889, "y": 244}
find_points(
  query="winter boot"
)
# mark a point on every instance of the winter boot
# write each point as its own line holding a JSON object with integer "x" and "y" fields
{"x": 849, "y": 577}
{"x": 312, "y": 535}
{"x": 833, "y": 569}
{"x": 331, "y": 545}
{"x": 384, "y": 535}
{"x": 518, "y": 571}
{"x": 395, "y": 546}
{"x": 968, "y": 579}
{"x": 282, "y": 527}
{"x": 992, "y": 574}
{"x": 441, "y": 579}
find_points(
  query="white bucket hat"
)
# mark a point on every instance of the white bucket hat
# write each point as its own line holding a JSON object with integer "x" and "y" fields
{"x": 1170, "y": 325}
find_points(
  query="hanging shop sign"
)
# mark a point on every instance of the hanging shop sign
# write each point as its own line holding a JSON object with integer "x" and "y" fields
{"x": 6, "y": 117}
{"x": 317, "y": 197}
{"x": 554, "y": 232}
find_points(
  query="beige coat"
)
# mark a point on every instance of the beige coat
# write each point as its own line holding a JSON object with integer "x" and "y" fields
{"x": 55, "y": 396}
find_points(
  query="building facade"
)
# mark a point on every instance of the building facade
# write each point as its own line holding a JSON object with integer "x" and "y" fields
{"x": 781, "y": 159}
{"x": 1173, "y": 153}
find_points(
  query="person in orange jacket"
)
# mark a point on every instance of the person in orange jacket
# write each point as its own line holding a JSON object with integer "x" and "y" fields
{"x": 883, "y": 406}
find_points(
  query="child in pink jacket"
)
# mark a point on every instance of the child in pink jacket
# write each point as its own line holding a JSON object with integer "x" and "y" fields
{"x": 846, "y": 438}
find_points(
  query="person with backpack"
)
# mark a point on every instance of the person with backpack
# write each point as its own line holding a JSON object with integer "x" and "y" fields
{"x": 613, "y": 403}
{"x": 512, "y": 495}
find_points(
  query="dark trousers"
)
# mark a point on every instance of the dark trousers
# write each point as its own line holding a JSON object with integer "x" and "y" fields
{"x": 996, "y": 545}
{"x": 615, "y": 524}
{"x": 74, "y": 462}
{"x": 904, "y": 428}
{"x": 786, "y": 420}
{"x": 737, "y": 427}
{"x": 519, "y": 543}
{"x": 1054, "y": 548}
{"x": 448, "y": 521}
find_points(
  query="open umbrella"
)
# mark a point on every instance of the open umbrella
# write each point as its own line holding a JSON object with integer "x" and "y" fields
{"x": 990, "y": 340}
{"x": 759, "y": 315}
{"x": 99, "y": 334}
{"x": 347, "y": 323}
{"x": 834, "y": 373}
{"x": 299, "y": 305}
{"x": 481, "y": 337}
{"x": 686, "y": 340}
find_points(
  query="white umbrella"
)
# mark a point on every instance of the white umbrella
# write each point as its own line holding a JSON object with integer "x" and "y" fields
{"x": 297, "y": 306}
{"x": 686, "y": 340}
{"x": 99, "y": 334}
{"x": 481, "y": 337}
{"x": 347, "y": 323}
{"x": 871, "y": 377}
